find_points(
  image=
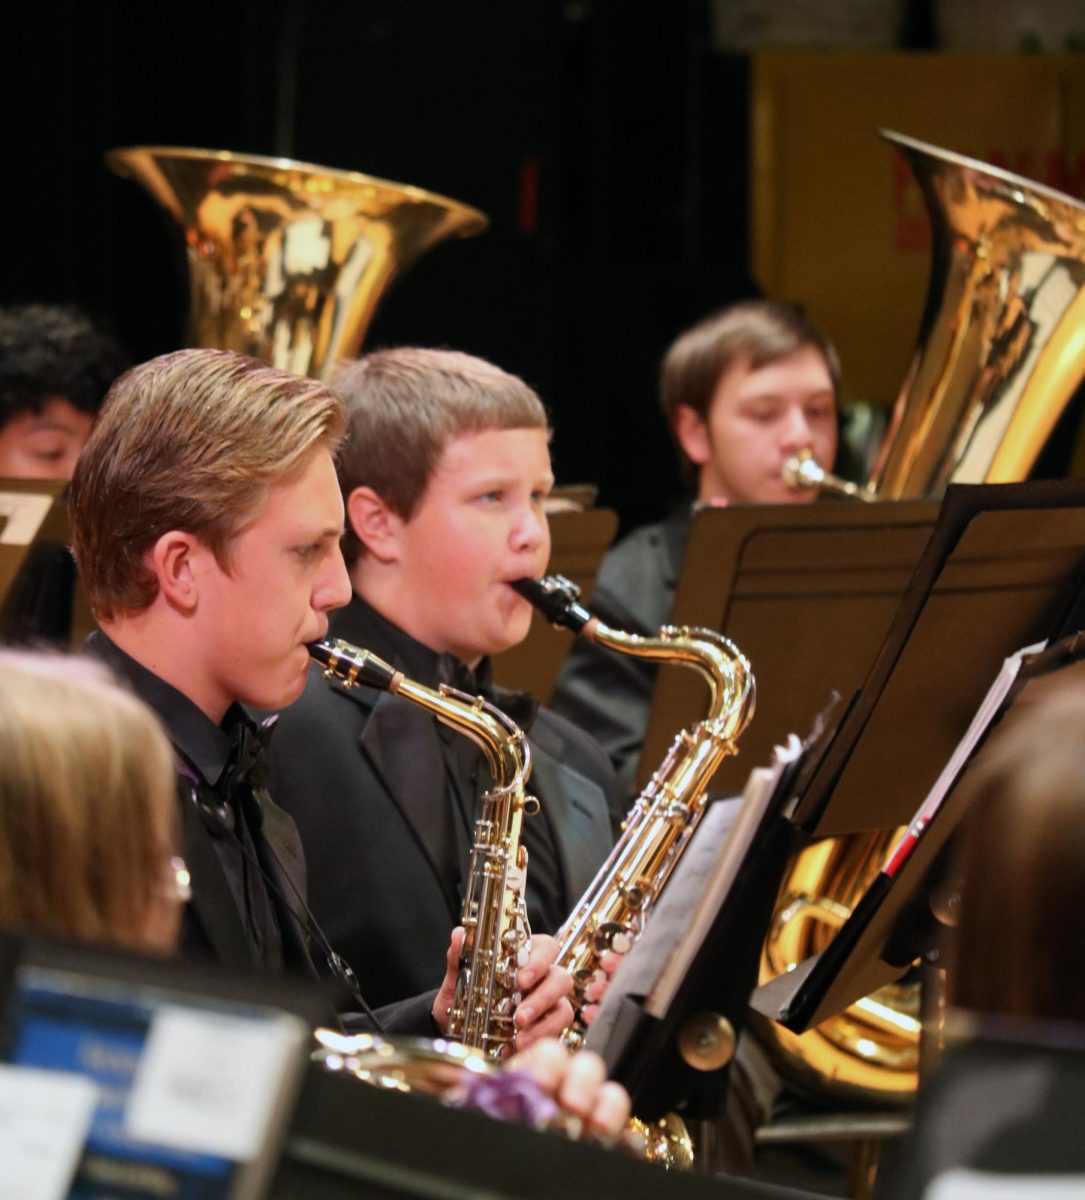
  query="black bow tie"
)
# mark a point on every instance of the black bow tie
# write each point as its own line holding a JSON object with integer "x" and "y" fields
{"x": 243, "y": 778}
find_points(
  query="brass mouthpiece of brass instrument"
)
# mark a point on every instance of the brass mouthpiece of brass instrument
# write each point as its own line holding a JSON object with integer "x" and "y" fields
{"x": 802, "y": 472}
{"x": 494, "y": 916}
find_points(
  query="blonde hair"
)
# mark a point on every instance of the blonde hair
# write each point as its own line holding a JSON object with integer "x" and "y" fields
{"x": 1019, "y": 947}
{"x": 192, "y": 440}
{"x": 406, "y": 405}
{"x": 87, "y": 802}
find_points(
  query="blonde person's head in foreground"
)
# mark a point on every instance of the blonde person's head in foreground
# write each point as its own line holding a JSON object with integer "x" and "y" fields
{"x": 87, "y": 814}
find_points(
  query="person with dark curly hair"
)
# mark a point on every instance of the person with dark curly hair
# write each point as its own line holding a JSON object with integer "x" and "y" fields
{"x": 55, "y": 369}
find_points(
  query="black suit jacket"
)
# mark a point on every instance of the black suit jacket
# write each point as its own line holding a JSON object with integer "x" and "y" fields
{"x": 212, "y": 928}
{"x": 350, "y": 766}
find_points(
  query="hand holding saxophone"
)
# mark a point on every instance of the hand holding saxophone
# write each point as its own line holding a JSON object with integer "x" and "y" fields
{"x": 544, "y": 1009}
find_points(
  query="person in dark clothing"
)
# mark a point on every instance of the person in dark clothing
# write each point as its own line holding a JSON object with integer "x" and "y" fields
{"x": 206, "y": 519}
{"x": 443, "y": 474}
{"x": 55, "y": 369}
{"x": 742, "y": 391}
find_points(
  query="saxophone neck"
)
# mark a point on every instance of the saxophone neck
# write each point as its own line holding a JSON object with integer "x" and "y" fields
{"x": 716, "y": 658}
{"x": 501, "y": 741}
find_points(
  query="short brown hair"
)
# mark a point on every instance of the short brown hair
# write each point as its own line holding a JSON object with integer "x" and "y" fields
{"x": 1019, "y": 947}
{"x": 761, "y": 330}
{"x": 87, "y": 802}
{"x": 405, "y": 405}
{"x": 192, "y": 440}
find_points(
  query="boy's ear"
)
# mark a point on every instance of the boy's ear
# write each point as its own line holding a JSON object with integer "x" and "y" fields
{"x": 375, "y": 525}
{"x": 171, "y": 560}
{"x": 692, "y": 433}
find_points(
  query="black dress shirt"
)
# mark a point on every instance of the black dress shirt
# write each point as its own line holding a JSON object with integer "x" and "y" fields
{"x": 226, "y": 792}
{"x": 452, "y": 804}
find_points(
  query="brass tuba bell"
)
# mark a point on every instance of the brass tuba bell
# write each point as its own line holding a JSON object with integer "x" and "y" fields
{"x": 287, "y": 261}
{"x": 1002, "y": 339}
{"x": 1001, "y": 344}
{"x": 1001, "y": 349}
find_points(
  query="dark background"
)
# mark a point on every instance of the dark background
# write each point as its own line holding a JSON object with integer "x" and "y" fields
{"x": 635, "y": 130}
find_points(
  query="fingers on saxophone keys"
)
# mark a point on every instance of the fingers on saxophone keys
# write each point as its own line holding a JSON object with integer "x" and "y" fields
{"x": 596, "y": 988}
{"x": 534, "y": 1025}
{"x": 611, "y": 961}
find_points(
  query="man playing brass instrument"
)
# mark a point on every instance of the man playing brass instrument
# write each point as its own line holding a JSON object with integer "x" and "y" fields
{"x": 444, "y": 473}
{"x": 206, "y": 519}
{"x": 743, "y": 391}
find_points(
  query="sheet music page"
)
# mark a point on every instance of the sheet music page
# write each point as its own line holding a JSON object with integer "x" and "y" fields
{"x": 761, "y": 788}
{"x": 21, "y": 515}
{"x": 679, "y": 922}
{"x": 44, "y": 1119}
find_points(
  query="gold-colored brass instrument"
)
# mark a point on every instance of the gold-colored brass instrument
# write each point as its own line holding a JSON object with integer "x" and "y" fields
{"x": 871, "y": 1050}
{"x": 612, "y": 911}
{"x": 287, "y": 261}
{"x": 1001, "y": 344}
{"x": 1001, "y": 348}
{"x": 494, "y": 912}
{"x": 802, "y": 472}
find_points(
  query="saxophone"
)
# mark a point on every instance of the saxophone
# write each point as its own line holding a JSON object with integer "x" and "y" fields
{"x": 611, "y": 913}
{"x": 497, "y": 935}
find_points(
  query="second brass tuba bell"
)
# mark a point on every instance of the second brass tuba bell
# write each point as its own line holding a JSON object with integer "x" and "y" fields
{"x": 1001, "y": 344}
{"x": 1001, "y": 349}
{"x": 287, "y": 261}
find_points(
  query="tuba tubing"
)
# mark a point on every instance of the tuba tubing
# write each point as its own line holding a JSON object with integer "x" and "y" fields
{"x": 1001, "y": 343}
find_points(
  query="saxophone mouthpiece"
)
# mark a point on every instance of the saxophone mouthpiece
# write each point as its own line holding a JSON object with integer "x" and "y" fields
{"x": 353, "y": 665}
{"x": 558, "y": 599}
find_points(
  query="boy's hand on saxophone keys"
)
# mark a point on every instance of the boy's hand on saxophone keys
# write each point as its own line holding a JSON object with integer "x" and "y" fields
{"x": 447, "y": 991}
{"x": 597, "y": 989}
{"x": 545, "y": 1009}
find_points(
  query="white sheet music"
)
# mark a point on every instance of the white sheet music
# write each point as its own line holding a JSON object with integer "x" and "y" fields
{"x": 44, "y": 1119}
{"x": 694, "y": 895}
{"x": 760, "y": 790}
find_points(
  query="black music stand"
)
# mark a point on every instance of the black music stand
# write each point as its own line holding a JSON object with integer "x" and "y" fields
{"x": 39, "y": 596}
{"x": 1003, "y": 569}
{"x": 807, "y": 593}
{"x": 1000, "y": 571}
{"x": 349, "y": 1142}
{"x": 676, "y": 1006}
{"x": 578, "y": 542}
{"x": 892, "y": 923}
